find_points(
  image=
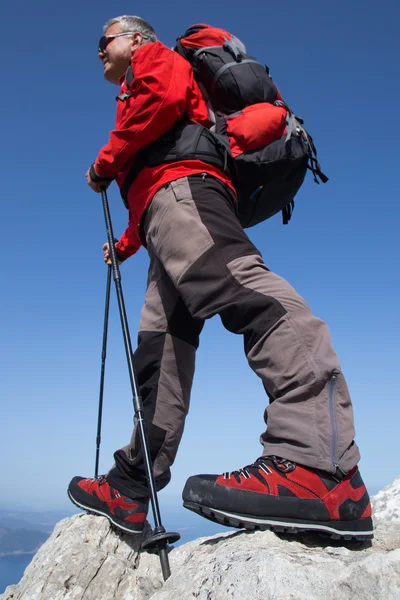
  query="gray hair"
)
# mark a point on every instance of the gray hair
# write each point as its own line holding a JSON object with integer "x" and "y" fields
{"x": 132, "y": 23}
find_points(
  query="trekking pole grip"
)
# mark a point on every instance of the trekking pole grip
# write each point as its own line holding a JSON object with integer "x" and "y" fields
{"x": 110, "y": 237}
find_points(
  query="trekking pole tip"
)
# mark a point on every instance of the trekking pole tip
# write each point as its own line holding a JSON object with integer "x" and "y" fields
{"x": 159, "y": 541}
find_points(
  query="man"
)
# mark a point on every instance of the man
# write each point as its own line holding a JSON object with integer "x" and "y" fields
{"x": 182, "y": 207}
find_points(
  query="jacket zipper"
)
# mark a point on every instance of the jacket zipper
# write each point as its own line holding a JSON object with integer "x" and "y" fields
{"x": 331, "y": 399}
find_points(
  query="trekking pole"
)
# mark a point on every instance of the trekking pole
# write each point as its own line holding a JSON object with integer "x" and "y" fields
{"x": 160, "y": 538}
{"x": 103, "y": 365}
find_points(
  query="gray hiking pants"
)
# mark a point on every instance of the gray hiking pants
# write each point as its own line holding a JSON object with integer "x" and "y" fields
{"x": 203, "y": 264}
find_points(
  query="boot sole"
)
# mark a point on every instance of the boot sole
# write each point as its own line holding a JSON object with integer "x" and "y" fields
{"x": 97, "y": 511}
{"x": 333, "y": 529}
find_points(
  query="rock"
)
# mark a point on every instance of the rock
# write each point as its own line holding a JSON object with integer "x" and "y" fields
{"x": 262, "y": 566}
{"x": 386, "y": 503}
{"x": 84, "y": 559}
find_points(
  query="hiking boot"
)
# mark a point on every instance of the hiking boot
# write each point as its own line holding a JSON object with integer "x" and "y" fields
{"x": 98, "y": 497}
{"x": 278, "y": 494}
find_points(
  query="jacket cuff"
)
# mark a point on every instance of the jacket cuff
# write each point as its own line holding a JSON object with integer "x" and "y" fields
{"x": 121, "y": 254}
{"x": 96, "y": 178}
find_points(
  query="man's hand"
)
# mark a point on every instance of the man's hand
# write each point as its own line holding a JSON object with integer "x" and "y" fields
{"x": 96, "y": 187}
{"x": 107, "y": 255}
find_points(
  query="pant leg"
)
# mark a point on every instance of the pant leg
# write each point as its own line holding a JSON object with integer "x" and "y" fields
{"x": 164, "y": 364}
{"x": 192, "y": 228}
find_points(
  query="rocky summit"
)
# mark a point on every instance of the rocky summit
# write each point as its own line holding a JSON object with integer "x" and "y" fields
{"x": 84, "y": 559}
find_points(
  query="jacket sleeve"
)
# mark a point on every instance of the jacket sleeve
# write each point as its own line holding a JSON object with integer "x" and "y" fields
{"x": 129, "y": 242}
{"x": 159, "y": 96}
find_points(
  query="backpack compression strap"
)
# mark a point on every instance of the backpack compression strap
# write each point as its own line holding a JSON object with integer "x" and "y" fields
{"x": 234, "y": 50}
{"x": 294, "y": 125}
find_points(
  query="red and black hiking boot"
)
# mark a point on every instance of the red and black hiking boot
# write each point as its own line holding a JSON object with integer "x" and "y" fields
{"x": 97, "y": 496}
{"x": 277, "y": 494}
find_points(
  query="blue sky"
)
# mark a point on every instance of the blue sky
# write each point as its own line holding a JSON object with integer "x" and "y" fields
{"x": 337, "y": 65}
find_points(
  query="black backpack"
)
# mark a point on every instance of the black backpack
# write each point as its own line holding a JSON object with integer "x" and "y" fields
{"x": 270, "y": 149}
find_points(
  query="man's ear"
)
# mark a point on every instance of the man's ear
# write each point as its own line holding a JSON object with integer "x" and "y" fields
{"x": 136, "y": 40}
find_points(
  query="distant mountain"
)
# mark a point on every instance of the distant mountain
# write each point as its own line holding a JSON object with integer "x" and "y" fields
{"x": 32, "y": 520}
{"x": 12, "y": 523}
{"x": 24, "y": 530}
{"x": 20, "y": 540}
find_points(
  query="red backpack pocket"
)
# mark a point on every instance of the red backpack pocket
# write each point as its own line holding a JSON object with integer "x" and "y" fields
{"x": 255, "y": 126}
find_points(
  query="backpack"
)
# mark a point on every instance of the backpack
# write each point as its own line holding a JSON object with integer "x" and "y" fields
{"x": 270, "y": 150}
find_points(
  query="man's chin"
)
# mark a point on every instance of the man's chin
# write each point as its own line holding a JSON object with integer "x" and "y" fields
{"x": 109, "y": 74}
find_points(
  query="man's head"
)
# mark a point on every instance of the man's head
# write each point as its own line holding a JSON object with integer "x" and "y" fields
{"x": 122, "y": 36}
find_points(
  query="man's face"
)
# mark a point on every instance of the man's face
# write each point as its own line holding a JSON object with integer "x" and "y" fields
{"x": 117, "y": 54}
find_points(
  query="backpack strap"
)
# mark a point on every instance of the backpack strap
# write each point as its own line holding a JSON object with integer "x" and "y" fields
{"x": 231, "y": 47}
{"x": 295, "y": 124}
{"x": 129, "y": 76}
{"x": 287, "y": 212}
{"x": 234, "y": 50}
{"x": 314, "y": 165}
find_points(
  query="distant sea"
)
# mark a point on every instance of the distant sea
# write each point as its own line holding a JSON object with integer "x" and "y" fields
{"x": 12, "y": 567}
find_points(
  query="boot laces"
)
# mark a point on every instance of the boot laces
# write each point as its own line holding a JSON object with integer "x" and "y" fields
{"x": 244, "y": 472}
{"x": 283, "y": 465}
{"x": 101, "y": 479}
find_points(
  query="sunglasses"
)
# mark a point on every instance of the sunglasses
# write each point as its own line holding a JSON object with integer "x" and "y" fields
{"x": 106, "y": 39}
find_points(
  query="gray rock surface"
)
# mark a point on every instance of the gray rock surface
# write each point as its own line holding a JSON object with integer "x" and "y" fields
{"x": 386, "y": 503}
{"x": 84, "y": 559}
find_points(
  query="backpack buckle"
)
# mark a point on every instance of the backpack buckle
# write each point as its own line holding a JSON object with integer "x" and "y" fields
{"x": 124, "y": 96}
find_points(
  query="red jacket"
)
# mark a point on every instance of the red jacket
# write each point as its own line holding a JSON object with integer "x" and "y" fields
{"x": 162, "y": 90}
